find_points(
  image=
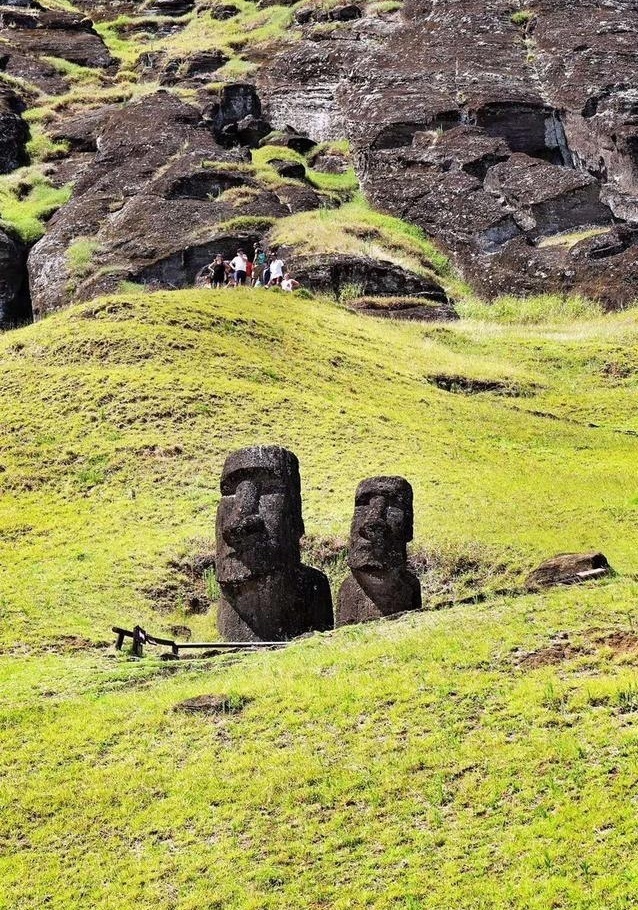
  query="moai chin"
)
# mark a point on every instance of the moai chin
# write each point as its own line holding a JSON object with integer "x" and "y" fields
{"x": 380, "y": 582}
{"x": 267, "y": 594}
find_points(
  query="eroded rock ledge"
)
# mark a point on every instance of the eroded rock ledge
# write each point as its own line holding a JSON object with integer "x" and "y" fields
{"x": 511, "y": 139}
{"x": 507, "y": 131}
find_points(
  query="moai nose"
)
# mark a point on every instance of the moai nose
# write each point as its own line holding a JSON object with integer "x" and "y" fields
{"x": 244, "y": 518}
{"x": 378, "y": 509}
{"x": 375, "y": 518}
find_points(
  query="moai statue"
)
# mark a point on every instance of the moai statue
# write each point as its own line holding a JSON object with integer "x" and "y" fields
{"x": 267, "y": 594}
{"x": 380, "y": 582}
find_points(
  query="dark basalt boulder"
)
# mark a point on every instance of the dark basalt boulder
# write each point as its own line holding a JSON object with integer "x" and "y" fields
{"x": 569, "y": 569}
{"x": 36, "y": 32}
{"x": 331, "y": 273}
{"x": 180, "y": 69}
{"x": 14, "y": 132}
{"x": 15, "y": 304}
{"x": 407, "y": 309}
{"x": 171, "y": 7}
{"x": 203, "y": 64}
{"x": 305, "y": 15}
{"x": 290, "y": 170}
{"x": 345, "y": 13}
{"x": 290, "y": 138}
{"x": 223, "y": 11}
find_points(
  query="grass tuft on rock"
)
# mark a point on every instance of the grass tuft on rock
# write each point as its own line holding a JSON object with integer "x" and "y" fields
{"x": 27, "y": 200}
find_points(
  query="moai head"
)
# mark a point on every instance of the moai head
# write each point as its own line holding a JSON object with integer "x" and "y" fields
{"x": 259, "y": 521}
{"x": 382, "y": 524}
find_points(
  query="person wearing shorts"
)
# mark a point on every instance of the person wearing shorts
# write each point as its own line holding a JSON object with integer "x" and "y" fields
{"x": 276, "y": 270}
{"x": 217, "y": 270}
{"x": 238, "y": 265}
{"x": 259, "y": 264}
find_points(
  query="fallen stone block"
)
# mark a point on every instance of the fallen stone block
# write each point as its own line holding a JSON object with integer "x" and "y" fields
{"x": 568, "y": 569}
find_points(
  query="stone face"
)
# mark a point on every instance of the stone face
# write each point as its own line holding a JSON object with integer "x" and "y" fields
{"x": 380, "y": 583}
{"x": 569, "y": 569}
{"x": 267, "y": 594}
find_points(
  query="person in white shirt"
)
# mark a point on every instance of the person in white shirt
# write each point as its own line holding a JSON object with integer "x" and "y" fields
{"x": 238, "y": 265}
{"x": 289, "y": 283}
{"x": 276, "y": 270}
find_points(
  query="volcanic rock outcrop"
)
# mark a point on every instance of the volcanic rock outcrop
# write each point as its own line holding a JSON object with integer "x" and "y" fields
{"x": 14, "y": 132}
{"x": 380, "y": 583}
{"x": 15, "y": 306}
{"x": 30, "y": 32}
{"x": 332, "y": 273}
{"x": 151, "y": 203}
{"x": 508, "y": 133}
{"x": 267, "y": 594}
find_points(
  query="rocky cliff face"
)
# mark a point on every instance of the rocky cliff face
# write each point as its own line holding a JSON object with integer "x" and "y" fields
{"x": 507, "y": 131}
{"x": 509, "y": 134}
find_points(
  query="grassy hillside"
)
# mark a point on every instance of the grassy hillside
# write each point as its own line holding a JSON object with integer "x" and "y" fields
{"x": 480, "y": 756}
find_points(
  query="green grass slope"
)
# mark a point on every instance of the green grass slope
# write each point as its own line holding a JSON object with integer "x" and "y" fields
{"x": 420, "y": 763}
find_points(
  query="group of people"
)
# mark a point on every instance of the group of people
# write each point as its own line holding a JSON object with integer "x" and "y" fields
{"x": 264, "y": 269}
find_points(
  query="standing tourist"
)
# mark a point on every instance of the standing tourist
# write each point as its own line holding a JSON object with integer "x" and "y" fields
{"x": 276, "y": 270}
{"x": 260, "y": 259}
{"x": 238, "y": 265}
{"x": 217, "y": 270}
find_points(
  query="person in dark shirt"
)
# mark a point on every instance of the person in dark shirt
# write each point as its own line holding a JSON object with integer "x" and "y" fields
{"x": 217, "y": 270}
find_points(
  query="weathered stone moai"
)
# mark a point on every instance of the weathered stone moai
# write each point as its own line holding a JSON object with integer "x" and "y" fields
{"x": 380, "y": 582}
{"x": 267, "y": 594}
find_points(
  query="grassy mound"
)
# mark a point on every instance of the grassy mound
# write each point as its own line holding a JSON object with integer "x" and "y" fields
{"x": 474, "y": 757}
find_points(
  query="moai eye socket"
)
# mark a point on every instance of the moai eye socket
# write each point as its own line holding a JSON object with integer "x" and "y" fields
{"x": 265, "y": 482}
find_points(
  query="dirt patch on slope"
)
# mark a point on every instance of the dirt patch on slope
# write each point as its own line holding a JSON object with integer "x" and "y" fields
{"x": 212, "y": 705}
{"x": 620, "y": 642}
{"x": 464, "y": 385}
{"x": 558, "y": 650}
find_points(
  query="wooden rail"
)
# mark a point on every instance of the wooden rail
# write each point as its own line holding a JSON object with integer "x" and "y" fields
{"x": 141, "y": 637}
